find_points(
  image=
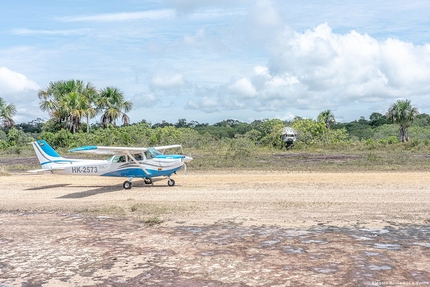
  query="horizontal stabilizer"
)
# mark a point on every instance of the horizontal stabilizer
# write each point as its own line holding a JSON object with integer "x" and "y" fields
{"x": 37, "y": 170}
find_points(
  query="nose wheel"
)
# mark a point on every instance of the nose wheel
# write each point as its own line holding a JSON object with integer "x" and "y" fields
{"x": 170, "y": 182}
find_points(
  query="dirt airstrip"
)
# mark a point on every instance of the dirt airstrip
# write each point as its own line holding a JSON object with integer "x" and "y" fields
{"x": 238, "y": 228}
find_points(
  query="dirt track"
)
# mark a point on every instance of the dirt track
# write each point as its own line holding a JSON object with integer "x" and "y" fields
{"x": 219, "y": 229}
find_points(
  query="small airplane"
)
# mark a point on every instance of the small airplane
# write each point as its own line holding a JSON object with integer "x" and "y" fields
{"x": 131, "y": 162}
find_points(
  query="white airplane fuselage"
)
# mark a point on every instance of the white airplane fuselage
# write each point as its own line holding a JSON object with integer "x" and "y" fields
{"x": 148, "y": 165}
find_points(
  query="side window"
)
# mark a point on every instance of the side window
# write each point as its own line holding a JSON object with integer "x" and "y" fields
{"x": 119, "y": 158}
{"x": 138, "y": 156}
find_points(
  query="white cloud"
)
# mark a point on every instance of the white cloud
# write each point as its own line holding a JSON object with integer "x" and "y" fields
{"x": 320, "y": 69}
{"x": 190, "y": 6}
{"x": 208, "y": 104}
{"x": 282, "y": 59}
{"x": 118, "y": 17}
{"x": 17, "y": 89}
{"x": 163, "y": 81}
{"x": 26, "y": 32}
{"x": 14, "y": 83}
{"x": 145, "y": 100}
{"x": 266, "y": 15}
{"x": 405, "y": 64}
{"x": 261, "y": 71}
{"x": 243, "y": 88}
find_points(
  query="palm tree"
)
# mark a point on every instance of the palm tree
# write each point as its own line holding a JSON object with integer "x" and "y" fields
{"x": 401, "y": 112}
{"x": 327, "y": 117}
{"x": 69, "y": 101}
{"x": 6, "y": 113}
{"x": 91, "y": 95}
{"x": 111, "y": 101}
{"x": 51, "y": 100}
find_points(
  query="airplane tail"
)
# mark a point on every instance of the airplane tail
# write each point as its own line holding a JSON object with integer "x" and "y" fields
{"x": 46, "y": 154}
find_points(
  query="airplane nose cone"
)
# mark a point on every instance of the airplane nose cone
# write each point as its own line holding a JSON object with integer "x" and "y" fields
{"x": 187, "y": 158}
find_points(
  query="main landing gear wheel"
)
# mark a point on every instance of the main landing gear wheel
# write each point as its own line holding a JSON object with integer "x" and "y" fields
{"x": 127, "y": 184}
{"x": 170, "y": 182}
{"x": 147, "y": 181}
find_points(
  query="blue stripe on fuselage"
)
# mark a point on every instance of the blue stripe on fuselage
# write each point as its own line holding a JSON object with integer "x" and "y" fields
{"x": 138, "y": 172}
{"x": 57, "y": 161}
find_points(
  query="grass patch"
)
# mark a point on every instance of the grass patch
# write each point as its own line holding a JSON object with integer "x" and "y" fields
{"x": 3, "y": 171}
{"x": 147, "y": 208}
{"x": 112, "y": 210}
{"x": 142, "y": 209}
{"x": 152, "y": 221}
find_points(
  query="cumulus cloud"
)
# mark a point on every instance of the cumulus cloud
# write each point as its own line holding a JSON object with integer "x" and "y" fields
{"x": 319, "y": 69}
{"x": 14, "y": 83}
{"x": 243, "y": 88}
{"x": 17, "y": 89}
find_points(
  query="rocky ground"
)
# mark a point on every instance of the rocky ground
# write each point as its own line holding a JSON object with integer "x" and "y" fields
{"x": 238, "y": 228}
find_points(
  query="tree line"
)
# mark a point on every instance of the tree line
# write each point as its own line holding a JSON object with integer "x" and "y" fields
{"x": 72, "y": 104}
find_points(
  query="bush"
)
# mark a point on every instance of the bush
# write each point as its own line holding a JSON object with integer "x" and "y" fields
{"x": 3, "y": 144}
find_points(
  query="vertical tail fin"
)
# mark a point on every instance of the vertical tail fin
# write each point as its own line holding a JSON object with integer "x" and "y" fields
{"x": 46, "y": 154}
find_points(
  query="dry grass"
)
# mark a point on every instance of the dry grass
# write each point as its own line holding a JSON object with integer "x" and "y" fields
{"x": 3, "y": 171}
{"x": 318, "y": 160}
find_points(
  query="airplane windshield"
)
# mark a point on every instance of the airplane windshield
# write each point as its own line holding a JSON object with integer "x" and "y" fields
{"x": 151, "y": 153}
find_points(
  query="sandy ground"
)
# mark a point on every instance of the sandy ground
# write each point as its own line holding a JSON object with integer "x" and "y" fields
{"x": 238, "y": 228}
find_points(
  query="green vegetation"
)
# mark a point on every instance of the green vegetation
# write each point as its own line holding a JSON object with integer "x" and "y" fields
{"x": 7, "y": 111}
{"x": 252, "y": 146}
{"x": 327, "y": 118}
{"x": 153, "y": 221}
{"x": 322, "y": 144}
{"x": 402, "y": 113}
{"x": 68, "y": 102}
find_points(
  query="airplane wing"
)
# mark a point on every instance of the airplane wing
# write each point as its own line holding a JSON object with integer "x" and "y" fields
{"x": 108, "y": 150}
{"x": 167, "y": 146}
{"x": 163, "y": 148}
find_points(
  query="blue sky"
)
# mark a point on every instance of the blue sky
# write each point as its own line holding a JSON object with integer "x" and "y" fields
{"x": 209, "y": 61}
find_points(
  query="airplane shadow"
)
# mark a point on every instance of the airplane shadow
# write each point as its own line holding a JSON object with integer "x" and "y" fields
{"x": 97, "y": 190}
{"x": 92, "y": 192}
{"x": 48, "y": 186}
{"x": 104, "y": 189}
